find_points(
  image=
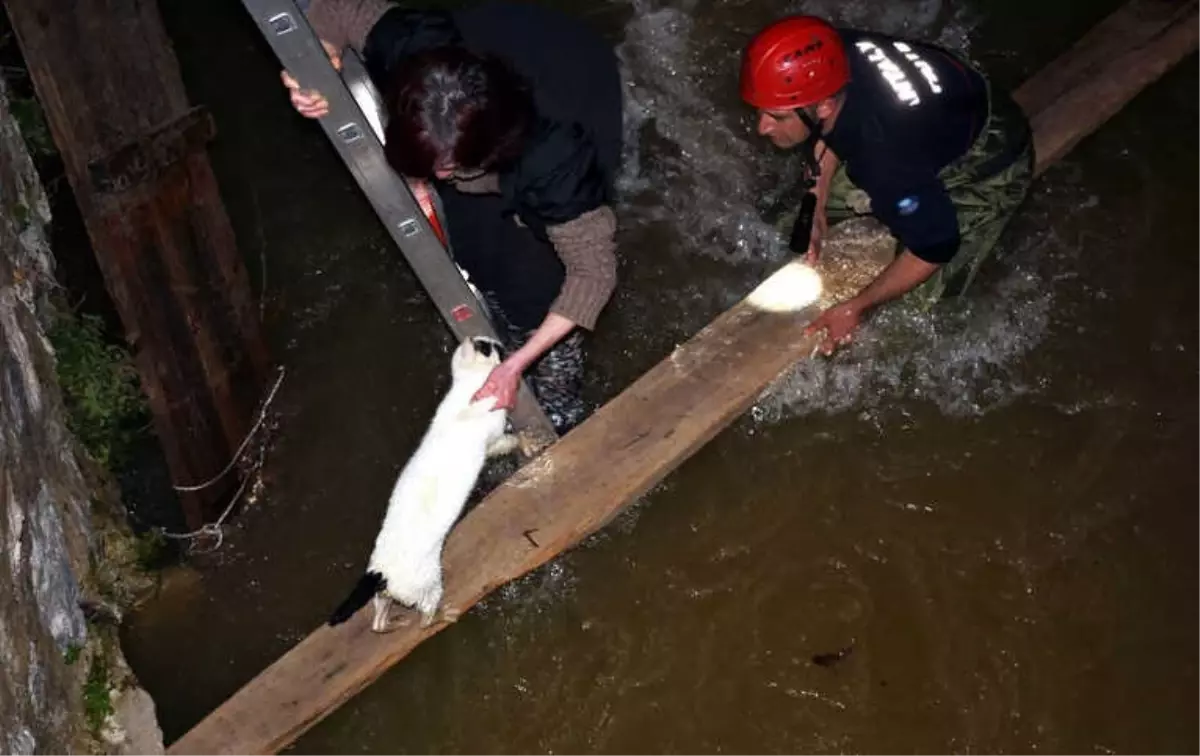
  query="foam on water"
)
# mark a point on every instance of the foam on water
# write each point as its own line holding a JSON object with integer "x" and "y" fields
{"x": 694, "y": 166}
{"x": 964, "y": 358}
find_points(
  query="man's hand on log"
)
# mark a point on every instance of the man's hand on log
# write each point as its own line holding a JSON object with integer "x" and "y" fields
{"x": 839, "y": 323}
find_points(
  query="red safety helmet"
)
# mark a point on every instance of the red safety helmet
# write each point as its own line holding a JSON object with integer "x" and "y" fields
{"x": 794, "y": 63}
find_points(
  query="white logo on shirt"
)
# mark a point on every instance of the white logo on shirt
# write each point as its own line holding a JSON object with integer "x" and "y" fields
{"x": 922, "y": 65}
{"x": 901, "y": 86}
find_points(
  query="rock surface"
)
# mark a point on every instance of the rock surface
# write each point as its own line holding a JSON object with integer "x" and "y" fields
{"x": 47, "y": 524}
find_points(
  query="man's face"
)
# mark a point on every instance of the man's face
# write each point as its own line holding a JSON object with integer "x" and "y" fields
{"x": 783, "y": 127}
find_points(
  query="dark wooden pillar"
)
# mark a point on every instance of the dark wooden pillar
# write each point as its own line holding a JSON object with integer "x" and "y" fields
{"x": 108, "y": 80}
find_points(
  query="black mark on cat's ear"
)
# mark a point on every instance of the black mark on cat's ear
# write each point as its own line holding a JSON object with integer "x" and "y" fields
{"x": 486, "y": 346}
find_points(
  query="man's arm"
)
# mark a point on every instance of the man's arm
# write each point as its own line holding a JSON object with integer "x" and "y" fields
{"x": 839, "y": 322}
{"x": 829, "y": 162}
{"x": 904, "y": 274}
{"x": 925, "y": 220}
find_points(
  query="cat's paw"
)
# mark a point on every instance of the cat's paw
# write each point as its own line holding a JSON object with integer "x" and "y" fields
{"x": 506, "y": 444}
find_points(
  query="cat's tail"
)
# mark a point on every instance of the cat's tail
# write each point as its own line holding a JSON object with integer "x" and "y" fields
{"x": 368, "y": 585}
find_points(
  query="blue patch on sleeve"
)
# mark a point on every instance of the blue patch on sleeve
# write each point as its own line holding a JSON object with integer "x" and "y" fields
{"x": 908, "y": 205}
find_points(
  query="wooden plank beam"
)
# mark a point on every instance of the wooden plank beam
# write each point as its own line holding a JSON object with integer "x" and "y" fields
{"x": 143, "y": 161}
{"x": 1123, "y": 55}
{"x": 1129, "y": 27}
{"x": 629, "y": 445}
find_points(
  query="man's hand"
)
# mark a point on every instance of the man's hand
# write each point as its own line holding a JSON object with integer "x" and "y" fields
{"x": 501, "y": 384}
{"x": 820, "y": 226}
{"x": 839, "y": 323}
{"x": 901, "y": 276}
{"x": 309, "y": 102}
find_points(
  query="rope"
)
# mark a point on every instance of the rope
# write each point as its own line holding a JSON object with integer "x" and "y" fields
{"x": 214, "y": 529}
{"x": 237, "y": 454}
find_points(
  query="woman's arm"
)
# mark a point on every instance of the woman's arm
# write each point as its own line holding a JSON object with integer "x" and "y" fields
{"x": 504, "y": 379}
{"x": 587, "y": 248}
{"x": 381, "y": 32}
{"x": 345, "y": 23}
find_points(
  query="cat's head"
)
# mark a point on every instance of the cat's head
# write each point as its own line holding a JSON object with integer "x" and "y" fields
{"x": 478, "y": 354}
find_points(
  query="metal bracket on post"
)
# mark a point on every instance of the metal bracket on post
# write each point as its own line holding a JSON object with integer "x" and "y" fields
{"x": 358, "y": 140}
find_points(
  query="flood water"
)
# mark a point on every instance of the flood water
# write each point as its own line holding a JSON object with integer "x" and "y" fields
{"x": 983, "y": 524}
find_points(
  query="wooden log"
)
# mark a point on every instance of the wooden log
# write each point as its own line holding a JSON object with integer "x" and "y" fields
{"x": 1123, "y": 55}
{"x": 630, "y": 444}
{"x": 110, "y": 86}
{"x": 1132, "y": 25}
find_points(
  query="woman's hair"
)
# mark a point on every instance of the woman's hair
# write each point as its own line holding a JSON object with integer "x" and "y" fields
{"x": 448, "y": 105}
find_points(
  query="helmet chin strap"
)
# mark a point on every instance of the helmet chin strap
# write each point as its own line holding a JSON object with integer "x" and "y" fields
{"x": 802, "y": 228}
{"x": 801, "y": 234}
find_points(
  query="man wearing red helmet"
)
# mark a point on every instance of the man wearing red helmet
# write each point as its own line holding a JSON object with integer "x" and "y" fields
{"x": 906, "y": 131}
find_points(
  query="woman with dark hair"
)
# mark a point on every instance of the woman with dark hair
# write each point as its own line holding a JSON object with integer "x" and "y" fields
{"x": 514, "y": 112}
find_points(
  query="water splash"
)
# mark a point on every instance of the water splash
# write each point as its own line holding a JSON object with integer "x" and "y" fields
{"x": 943, "y": 23}
{"x": 690, "y": 165}
{"x": 963, "y": 358}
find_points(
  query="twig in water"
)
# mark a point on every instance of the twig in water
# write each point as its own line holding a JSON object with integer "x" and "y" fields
{"x": 828, "y": 660}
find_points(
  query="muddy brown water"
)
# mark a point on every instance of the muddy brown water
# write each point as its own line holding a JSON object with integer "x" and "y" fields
{"x": 976, "y": 533}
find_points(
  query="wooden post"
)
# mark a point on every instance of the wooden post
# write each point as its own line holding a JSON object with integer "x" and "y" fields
{"x": 110, "y": 86}
{"x": 635, "y": 440}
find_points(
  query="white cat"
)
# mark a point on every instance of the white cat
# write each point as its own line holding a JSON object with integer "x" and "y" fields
{"x": 406, "y": 565}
